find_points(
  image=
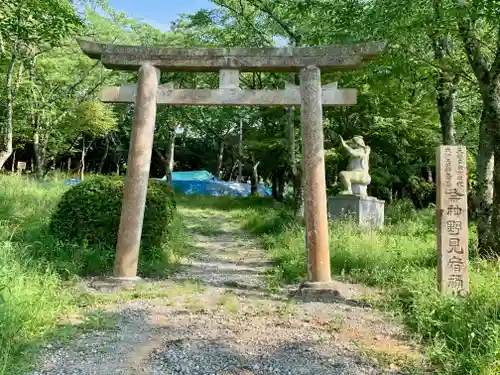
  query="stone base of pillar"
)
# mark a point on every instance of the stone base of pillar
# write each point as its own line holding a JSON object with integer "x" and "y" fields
{"x": 115, "y": 284}
{"x": 126, "y": 279}
{"x": 332, "y": 290}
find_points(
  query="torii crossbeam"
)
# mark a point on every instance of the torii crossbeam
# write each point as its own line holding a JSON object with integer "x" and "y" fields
{"x": 229, "y": 62}
{"x": 269, "y": 59}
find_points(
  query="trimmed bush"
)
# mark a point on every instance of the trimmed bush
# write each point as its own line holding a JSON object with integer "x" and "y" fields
{"x": 89, "y": 214}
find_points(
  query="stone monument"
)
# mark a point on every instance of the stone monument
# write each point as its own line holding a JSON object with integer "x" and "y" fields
{"x": 354, "y": 202}
{"x": 452, "y": 220}
{"x": 21, "y": 166}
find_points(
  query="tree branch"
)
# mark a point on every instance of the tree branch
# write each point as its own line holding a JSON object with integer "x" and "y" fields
{"x": 77, "y": 102}
{"x": 456, "y": 71}
{"x": 472, "y": 48}
{"x": 58, "y": 91}
{"x": 158, "y": 153}
{"x": 293, "y": 36}
{"x": 207, "y": 129}
{"x": 241, "y": 14}
{"x": 495, "y": 67}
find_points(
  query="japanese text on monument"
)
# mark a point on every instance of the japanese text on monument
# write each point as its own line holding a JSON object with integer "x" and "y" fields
{"x": 452, "y": 220}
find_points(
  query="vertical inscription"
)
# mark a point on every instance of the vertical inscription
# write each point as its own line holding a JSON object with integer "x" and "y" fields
{"x": 451, "y": 220}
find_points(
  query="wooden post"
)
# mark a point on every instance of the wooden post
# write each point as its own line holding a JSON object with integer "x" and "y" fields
{"x": 451, "y": 220}
{"x": 136, "y": 181}
{"x": 314, "y": 169}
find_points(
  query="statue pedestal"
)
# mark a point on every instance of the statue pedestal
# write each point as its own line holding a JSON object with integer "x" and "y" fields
{"x": 367, "y": 212}
{"x": 358, "y": 189}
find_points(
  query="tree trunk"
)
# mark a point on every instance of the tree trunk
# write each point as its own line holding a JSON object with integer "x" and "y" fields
{"x": 13, "y": 166}
{"x": 169, "y": 156}
{"x": 390, "y": 198}
{"x": 69, "y": 164}
{"x": 220, "y": 160}
{"x": 488, "y": 226}
{"x": 103, "y": 159}
{"x": 254, "y": 189}
{"x": 233, "y": 169}
{"x": 274, "y": 186}
{"x": 488, "y": 78}
{"x": 281, "y": 187}
{"x": 484, "y": 194}
{"x": 297, "y": 182}
{"x": 6, "y": 143}
{"x": 446, "y": 84}
{"x": 82, "y": 161}
{"x": 39, "y": 146}
{"x": 39, "y": 151}
{"x": 240, "y": 165}
{"x": 300, "y": 184}
{"x": 445, "y": 105}
{"x": 430, "y": 178}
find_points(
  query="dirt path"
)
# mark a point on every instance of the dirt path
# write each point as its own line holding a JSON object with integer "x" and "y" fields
{"x": 217, "y": 317}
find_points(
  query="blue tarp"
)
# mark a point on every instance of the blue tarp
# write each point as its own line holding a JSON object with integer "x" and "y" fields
{"x": 204, "y": 183}
{"x": 192, "y": 176}
{"x": 73, "y": 181}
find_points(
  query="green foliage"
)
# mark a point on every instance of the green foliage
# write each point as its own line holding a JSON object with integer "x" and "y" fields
{"x": 93, "y": 118}
{"x": 36, "y": 22}
{"x": 89, "y": 213}
{"x": 34, "y": 297}
{"x": 463, "y": 334}
{"x": 37, "y": 272}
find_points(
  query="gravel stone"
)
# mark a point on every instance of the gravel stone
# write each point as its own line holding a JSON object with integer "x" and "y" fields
{"x": 233, "y": 325}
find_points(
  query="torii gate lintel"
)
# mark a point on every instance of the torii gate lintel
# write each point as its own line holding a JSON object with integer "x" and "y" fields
{"x": 267, "y": 59}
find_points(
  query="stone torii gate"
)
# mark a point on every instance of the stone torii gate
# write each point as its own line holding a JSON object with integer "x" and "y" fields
{"x": 229, "y": 62}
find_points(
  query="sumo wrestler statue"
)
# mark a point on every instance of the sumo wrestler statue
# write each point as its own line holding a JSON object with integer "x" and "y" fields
{"x": 356, "y": 179}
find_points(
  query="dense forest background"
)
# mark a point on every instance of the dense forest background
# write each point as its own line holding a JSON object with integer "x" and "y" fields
{"x": 437, "y": 83}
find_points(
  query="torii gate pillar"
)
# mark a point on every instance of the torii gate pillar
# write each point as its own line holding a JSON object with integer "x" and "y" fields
{"x": 318, "y": 253}
{"x": 136, "y": 180}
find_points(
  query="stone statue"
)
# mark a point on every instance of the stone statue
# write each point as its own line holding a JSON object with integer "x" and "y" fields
{"x": 356, "y": 179}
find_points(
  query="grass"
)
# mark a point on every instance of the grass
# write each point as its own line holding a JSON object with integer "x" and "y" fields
{"x": 38, "y": 273}
{"x": 462, "y": 334}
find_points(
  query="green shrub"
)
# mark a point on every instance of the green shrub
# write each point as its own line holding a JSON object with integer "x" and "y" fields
{"x": 400, "y": 210}
{"x": 89, "y": 213}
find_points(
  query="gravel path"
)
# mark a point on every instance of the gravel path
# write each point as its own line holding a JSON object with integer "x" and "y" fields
{"x": 217, "y": 317}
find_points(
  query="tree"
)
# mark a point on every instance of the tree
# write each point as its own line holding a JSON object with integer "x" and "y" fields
{"x": 26, "y": 29}
{"x": 476, "y": 20}
{"x": 91, "y": 120}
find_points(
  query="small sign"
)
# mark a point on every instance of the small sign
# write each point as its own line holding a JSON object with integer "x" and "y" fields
{"x": 21, "y": 165}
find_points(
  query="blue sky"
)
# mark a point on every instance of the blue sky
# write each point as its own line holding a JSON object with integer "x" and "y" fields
{"x": 159, "y": 13}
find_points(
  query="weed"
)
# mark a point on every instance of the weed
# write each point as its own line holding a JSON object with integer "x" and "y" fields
{"x": 229, "y": 302}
